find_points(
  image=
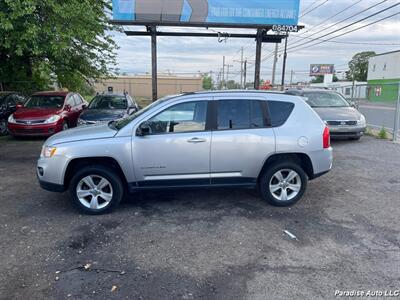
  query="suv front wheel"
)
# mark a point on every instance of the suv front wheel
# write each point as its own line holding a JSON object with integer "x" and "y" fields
{"x": 96, "y": 190}
{"x": 283, "y": 183}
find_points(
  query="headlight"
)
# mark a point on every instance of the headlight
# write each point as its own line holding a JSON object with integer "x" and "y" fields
{"x": 48, "y": 151}
{"x": 362, "y": 121}
{"x": 53, "y": 119}
{"x": 11, "y": 119}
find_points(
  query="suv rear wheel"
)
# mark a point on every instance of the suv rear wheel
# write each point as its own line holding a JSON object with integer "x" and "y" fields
{"x": 283, "y": 183}
{"x": 96, "y": 190}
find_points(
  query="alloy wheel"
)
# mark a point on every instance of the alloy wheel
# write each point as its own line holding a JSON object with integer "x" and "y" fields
{"x": 3, "y": 127}
{"x": 285, "y": 185}
{"x": 94, "y": 192}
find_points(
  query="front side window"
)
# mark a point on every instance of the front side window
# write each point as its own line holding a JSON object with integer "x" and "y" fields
{"x": 45, "y": 101}
{"x": 108, "y": 102}
{"x": 184, "y": 117}
{"x": 239, "y": 114}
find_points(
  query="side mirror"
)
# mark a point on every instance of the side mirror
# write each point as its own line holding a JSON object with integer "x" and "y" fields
{"x": 84, "y": 106}
{"x": 19, "y": 105}
{"x": 68, "y": 107}
{"x": 143, "y": 129}
{"x": 132, "y": 110}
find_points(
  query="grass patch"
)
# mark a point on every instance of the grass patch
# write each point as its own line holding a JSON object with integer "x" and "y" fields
{"x": 382, "y": 134}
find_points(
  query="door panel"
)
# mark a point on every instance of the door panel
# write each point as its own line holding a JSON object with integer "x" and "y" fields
{"x": 177, "y": 150}
{"x": 241, "y": 142}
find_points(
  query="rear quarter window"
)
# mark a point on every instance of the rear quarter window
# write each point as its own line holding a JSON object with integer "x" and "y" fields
{"x": 279, "y": 112}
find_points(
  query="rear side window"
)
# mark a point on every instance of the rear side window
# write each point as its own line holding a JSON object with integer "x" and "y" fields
{"x": 239, "y": 114}
{"x": 280, "y": 112}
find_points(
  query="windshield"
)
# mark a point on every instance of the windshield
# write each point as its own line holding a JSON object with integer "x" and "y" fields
{"x": 45, "y": 101}
{"x": 123, "y": 122}
{"x": 109, "y": 102}
{"x": 326, "y": 99}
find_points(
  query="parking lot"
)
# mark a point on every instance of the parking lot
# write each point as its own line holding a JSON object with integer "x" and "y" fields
{"x": 208, "y": 244}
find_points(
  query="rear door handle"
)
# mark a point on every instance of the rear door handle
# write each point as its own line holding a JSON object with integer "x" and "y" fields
{"x": 197, "y": 140}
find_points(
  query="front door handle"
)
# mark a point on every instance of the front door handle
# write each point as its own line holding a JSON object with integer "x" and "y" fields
{"x": 196, "y": 140}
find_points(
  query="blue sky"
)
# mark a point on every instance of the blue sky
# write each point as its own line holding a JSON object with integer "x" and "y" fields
{"x": 187, "y": 56}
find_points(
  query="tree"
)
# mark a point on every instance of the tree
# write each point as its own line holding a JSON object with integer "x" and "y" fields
{"x": 63, "y": 41}
{"x": 358, "y": 66}
{"x": 320, "y": 79}
{"x": 208, "y": 83}
{"x": 232, "y": 85}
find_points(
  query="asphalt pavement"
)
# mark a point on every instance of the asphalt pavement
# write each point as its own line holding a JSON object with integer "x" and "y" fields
{"x": 205, "y": 244}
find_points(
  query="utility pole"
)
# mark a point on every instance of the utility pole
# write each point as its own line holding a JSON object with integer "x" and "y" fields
{"x": 244, "y": 74}
{"x": 275, "y": 63}
{"x": 397, "y": 115}
{"x": 241, "y": 69}
{"x": 223, "y": 72}
{"x": 291, "y": 77}
{"x": 284, "y": 62}
{"x": 227, "y": 74}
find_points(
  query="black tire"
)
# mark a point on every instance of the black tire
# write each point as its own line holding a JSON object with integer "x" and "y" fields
{"x": 97, "y": 170}
{"x": 356, "y": 138}
{"x": 3, "y": 127}
{"x": 267, "y": 175}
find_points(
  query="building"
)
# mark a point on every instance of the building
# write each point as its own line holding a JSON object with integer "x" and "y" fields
{"x": 140, "y": 86}
{"x": 384, "y": 76}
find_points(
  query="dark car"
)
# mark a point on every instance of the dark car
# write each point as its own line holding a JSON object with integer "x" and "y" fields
{"x": 9, "y": 103}
{"x": 343, "y": 120}
{"x": 46, "y": 113}
{"x": 108, "y": 107}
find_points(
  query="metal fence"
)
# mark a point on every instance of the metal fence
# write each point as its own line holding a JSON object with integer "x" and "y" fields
{"x": 379, "y": 102}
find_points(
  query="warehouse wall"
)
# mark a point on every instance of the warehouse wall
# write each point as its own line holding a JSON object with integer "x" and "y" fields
{"x": 140, "y": 86}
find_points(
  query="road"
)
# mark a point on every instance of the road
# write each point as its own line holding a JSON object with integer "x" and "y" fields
{"x": 379, "y": 116}
{"x": 205, "y": 244}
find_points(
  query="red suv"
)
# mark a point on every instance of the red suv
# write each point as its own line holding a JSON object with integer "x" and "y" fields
{"x": 46, "y": 113}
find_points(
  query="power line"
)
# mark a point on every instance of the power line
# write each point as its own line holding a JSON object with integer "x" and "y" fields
{"x": 331, "y": 17}
{"x": 344, "y": 27}
{"x": 318, "y": 6}
{"x": 355, "y": 43}
{"x": 349, "y": 17}
{"x": 350, "y": 31}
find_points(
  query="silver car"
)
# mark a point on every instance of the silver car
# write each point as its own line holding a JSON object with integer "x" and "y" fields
{"x": 246, "y": 139}
{"x": 343, "y": 120}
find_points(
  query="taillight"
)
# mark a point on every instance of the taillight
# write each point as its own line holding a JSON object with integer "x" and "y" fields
{"x": 326, "y": 138}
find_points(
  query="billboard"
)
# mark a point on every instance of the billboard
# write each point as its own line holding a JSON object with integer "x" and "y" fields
{"x": 318, "y": 70}
{"x": 198, "y": 12}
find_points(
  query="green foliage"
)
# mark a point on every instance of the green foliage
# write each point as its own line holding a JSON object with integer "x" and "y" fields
{"x": 359, "y": 66}
{"x": 320, "y": 79}
{"x": 232, "y": 85}
{"x": 208, "y": 83}
{"x": 382, "y": 134}
{"x": 43, "y": 42}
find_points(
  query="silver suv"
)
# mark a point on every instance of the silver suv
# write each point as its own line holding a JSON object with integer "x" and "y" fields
{"x": 271, "y": 141}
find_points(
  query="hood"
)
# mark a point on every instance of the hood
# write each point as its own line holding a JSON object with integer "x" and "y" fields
{"x": 36, "y": 113}
{"x": 102, "y": 114}
{"x": 82, "y": 133}
{"x": 338, "y": 113}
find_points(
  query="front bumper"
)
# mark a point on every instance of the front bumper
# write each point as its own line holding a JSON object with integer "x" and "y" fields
{"x": 347, "y": 131}
{"x": 50, "y": 173}
{"x": 44, "y": 130}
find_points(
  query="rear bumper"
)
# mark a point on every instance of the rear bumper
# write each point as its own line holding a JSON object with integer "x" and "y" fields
{"x": 34, "y": 130}
{"x": 322, "y": 162}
